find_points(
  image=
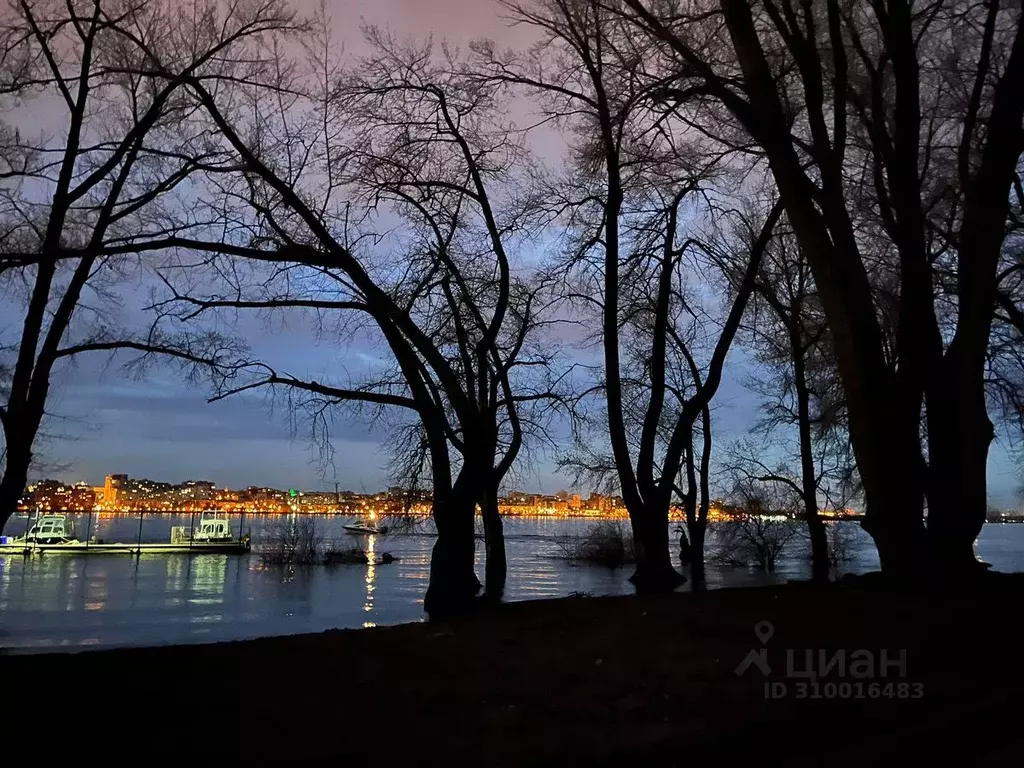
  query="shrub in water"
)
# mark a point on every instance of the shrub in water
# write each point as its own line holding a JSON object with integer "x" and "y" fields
{"x": 609, "y": 544}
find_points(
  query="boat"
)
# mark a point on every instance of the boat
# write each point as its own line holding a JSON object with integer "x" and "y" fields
{"x": 213, "y": 527}
{"x": 364, "y": 530}
{"x": 51, "y": 529}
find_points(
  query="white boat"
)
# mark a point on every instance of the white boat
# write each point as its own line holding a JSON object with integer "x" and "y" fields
{"x": 213, "y": 527}
{"x": 51, "y": 529}
{"x": 364, "y": 530}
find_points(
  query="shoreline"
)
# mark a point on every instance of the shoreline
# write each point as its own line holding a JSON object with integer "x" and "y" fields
{"x": 602, "y": 680}
{"x": 418, "y": 517}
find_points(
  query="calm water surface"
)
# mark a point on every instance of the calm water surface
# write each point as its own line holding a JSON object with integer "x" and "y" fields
{"x": 59, "y": 601}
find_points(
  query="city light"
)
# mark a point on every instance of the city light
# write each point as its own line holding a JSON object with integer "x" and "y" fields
{"x": 120, "y": 493}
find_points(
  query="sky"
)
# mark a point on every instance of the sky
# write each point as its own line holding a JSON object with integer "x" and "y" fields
{"x": 107, "y": 422}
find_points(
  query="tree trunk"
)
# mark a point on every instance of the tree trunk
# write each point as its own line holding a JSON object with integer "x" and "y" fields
{"x": 697, "y": 531}
{"x": 697, "y": 515}
{"x": 685, "y": 550}
{"x": 820, "y": 564}
{"x": 496, "y": 566}
{"x": 959, "y": 436}
{"x": 453, "y": 581}
{"x": 14, "y": 480}
{"x": 654, "y": 572}
{"x": 892, "y": 520}
{"x": 19, "y": 437}
{"x": 808, "y": 478}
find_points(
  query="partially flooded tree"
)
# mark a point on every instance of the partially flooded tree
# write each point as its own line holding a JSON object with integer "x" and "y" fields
{"x": 788, "y": 334}
{"x": 696, "y": 493}
{"x": 631, "y": 181}
{"x": 402, "y": 142}
{"x": 760, "y": 531}
{"x": 98, "y": 143}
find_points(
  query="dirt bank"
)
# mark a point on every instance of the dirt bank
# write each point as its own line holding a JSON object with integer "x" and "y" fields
{"x": 576, "y": 681}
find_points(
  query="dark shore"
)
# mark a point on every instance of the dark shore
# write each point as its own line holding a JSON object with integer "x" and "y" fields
{"x": 576, "y": 681}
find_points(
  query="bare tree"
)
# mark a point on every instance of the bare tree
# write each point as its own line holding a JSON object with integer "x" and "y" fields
{"x": 293, "y": 541}
{"x": 696, "y": 497}
{"x": 759, "y": 534}
{"x": 787, "y": 331}
{"x": 105, "y": 181}
{"x": 406, "y": 140}
{"x": 630, "y": 180}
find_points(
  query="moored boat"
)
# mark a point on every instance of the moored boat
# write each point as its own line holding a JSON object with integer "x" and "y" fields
{"x": 213, "y": 527}
{"x": 51, "y": 529}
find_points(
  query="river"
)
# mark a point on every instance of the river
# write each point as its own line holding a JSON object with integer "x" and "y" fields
{"x": 72, "y": 603}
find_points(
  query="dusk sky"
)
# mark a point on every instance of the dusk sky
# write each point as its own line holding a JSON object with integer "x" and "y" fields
{"x": 105, "y": 422}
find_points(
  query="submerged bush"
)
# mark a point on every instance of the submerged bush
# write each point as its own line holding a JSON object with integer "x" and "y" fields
{"x": 292, "y": 541}
{"x": 297, "y": 541}
{"x": 354, "y": 555}
{"x": 753, "y": 540}
{"x": 609, "y": 544}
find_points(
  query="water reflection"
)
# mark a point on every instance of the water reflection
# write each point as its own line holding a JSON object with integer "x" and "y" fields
{"x": 58, "y": 600}
{"x": 5, "y": 578}
{"x": 371, "y": 573}
{"x": 94, "y": 593}
{"x": 177, "y": 575}
{"x": 209, "y": 576}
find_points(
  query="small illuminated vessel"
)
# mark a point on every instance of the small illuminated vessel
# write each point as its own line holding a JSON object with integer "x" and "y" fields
{"x": 51, "y": 529}
{"x": 364, "y": 530}
{"x": 213, "y": 527}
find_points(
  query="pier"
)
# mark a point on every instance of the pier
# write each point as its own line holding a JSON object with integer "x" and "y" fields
{"x": 237, "y": 547}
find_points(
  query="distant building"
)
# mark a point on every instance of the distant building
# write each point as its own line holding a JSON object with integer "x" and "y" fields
{"x": 554, "y": 505}
{"x": 144, "y": 492}
{"x": 55, "y": 496}
{"x": 318, "y": 500}
{"x": 196, "y": 490}
{"x": 263, "y": 499}
{"x": 111, "y": 486}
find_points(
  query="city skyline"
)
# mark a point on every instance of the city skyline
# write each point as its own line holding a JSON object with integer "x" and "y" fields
{"x": 121, "y": 493}
{"x": 340, "y": 488}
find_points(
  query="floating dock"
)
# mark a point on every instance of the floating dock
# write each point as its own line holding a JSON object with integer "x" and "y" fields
{"x": 55, "y": 534}
{"x": 237, "y": 547}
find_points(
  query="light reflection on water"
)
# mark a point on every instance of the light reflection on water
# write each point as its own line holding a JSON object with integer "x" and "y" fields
{"x": 68, "y": 602}
{"x": 371, "y": 577}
